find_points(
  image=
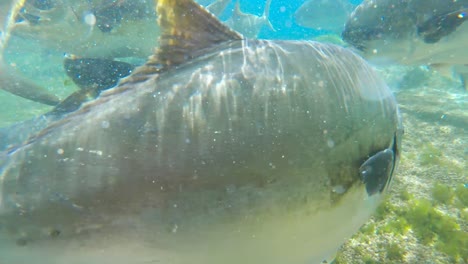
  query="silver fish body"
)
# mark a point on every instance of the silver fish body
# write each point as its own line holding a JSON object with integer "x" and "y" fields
{"x": 251, "y": 153}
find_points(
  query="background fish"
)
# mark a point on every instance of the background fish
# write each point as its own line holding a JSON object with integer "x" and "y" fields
{"x": 219, "y": 149}
{"x": 330, "y": 15}
{"x": 98, "y": 28}
{"x": 218, "y": 7}
{"x": 414, "y": 32}
{"x": 248, "y": 24}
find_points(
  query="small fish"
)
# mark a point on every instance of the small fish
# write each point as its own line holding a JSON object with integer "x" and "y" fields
{"x": 330, "y": 15}
{"x": 247, "y": 24}
{"x": 219, "y": 149}
{"x": 218, "y": 7}
{"x": 414, "y": 32}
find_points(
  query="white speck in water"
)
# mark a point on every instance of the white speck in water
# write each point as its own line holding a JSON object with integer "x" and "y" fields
{"x": 175, "y": 205}
{"x": 174, "y": 228}
{"x": 330, "y": 143}
{"x": 60, "y": 151}
{"x": 97, "y": 152}
{"x": 272, "y": 165}
{"x": 105, "y": 124}
{"x": 79, "y": 149}
{"x": 187, "y": 141}
{"x": 375, "y": 51}
{"x": 282, "y": 9}
{"x": 90, "y": 19}
{"x": 339, "y": 189}
{"x": 231, "y": 188}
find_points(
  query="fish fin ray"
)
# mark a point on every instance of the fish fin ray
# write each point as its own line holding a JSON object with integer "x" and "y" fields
{"x": 187, "y": 31}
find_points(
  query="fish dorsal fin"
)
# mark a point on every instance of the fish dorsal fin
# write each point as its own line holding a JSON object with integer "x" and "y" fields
{"x": 187, "y": 31}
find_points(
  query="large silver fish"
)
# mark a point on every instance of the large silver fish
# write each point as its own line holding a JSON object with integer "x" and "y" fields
{"x": 219, "y": 149}
{"x": 415, "y": 32}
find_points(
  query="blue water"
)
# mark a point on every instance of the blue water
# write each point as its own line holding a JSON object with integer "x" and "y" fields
{"x": 281, "y": 17}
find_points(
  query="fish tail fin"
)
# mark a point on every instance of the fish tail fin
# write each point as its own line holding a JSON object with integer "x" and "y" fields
{"x": 266, "y": 15}
{"x": 237, "y": 9}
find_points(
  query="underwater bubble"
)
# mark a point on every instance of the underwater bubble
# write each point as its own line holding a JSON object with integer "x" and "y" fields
{"x": 105, "y": 124}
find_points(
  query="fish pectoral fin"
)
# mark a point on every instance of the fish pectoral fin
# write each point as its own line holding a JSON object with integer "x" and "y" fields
{"x": 74, "y": 101}
{"x": 432, "y": 30}
{"x": 377, "y": 170}
{"x": 187, "y": 31}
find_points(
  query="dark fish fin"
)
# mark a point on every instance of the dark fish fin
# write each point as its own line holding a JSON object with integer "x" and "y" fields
{"x": 92, "y": 75}
{"x": 376, "y": 171}
{"x": 438, "y": 27}
{"x": 187, "y": 31}
{"x": 96, "y": 73}
{"x": 74, "y": 101}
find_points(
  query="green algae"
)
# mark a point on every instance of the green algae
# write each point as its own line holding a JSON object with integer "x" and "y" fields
{"x": 430, "y": 155}
{"x": 433, "y": 227}
{"x": 461, "y": 192}
{"x": 430, "y": 226}
{"x": 394, "y": 252}
{"x": 442, "y": 193}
